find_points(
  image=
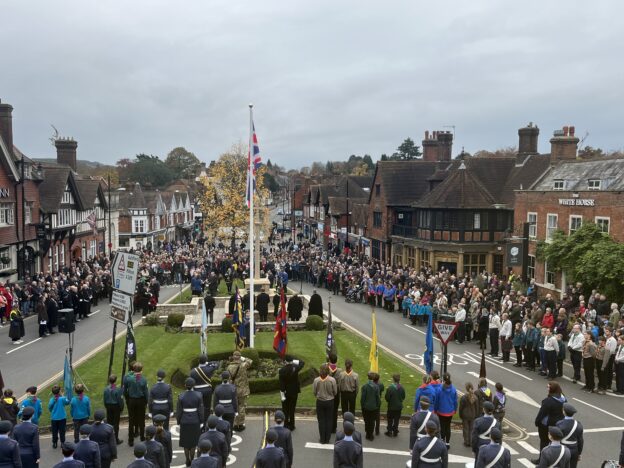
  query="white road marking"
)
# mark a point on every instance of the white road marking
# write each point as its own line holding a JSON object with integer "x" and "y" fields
{"x": 451, "y": 458}
{"x": 599, "y": 409}
{"x": 587, "y": 431}
{"x": 502, "y": 367}
{"x": 512, "y": 451}
{"x": 518, "y": 395}
{"x": 528, "y": 447}
{"x": 525, "y": 462}
{"x": 25, "y": 344}
{"x": 93, "y": 313}
{"x": 578, "y": 382}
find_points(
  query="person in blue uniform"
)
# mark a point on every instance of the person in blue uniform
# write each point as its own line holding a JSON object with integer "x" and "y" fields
{"x": 86, "y": 450}
{"x": 270, "y": 456}
{"x": 203, "y": 382}
{"x": 220, "y": 448}
{"x": 160, "y": 398}
{"x": 26, "y": 435}
{"x": 419, "y": 420}
{"x": 35, "y": 402}
{"x": 572, "y": 434}
{"x": 347, "y": 452}
{"x": 80, "y": 410}
{"x": 164, "y": 437}
{"x": 139, "y": 457}
{"x": 68, "y": 461}
{"x": 430, "y": 451}
{"x": 223, "y": 426}
{"x": 104, "y": 435}
{"x": 555, "y": 455}
{"x": 205, "y": 460}
{"x": 482, "y": 428}
{"x": 155, "y": 450}
{"x": 189, "y": 413}
{"x": 284, "y": 437}
{"x": 494, "y": 455}
{"x": 9, "y": 449}
{"x": 225, "y": 394}
{"x": 357, "y": 435}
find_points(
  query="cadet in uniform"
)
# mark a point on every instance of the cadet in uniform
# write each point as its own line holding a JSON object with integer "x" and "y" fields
{"x": 9, "y": 450}
{"x": 336, "y": 373}
{"x": 369, "y": 401}
{"x": 114, "y": 403}
{"x": 203, "y": 375}
{"x": 284, "y": 437}
{"x": 223, "y": 426}
{"x": 554, "y": 455}
{"x": 225, "y": 394}
{"x": 482, "y": 428}
{"x": 164, "y": 437}
{"x": 136, "y": 393}
{"x": 161, "y": 398}
{"x": 205, "y": 460}
{"x": 26, "y": 434}
{"x": 238, "y": 371}
{"x": 357, "y": 435}
{"x": 188, "y": 415}
{"x": 429, "y": 451}
{"x": 68, "y": 457}
{"x": 270, "y": 456}
{"x": 494, "y": 455}
{"x": 104, "y": 435}
{"x": 155, "y": 450}
{"x": 572, "y": 434}
{"x": 87, "y": 451}
{"x": 419, "y": 420}
{"x": 290, "y": 389}
{"x": 347, "y": 452}
{"x": 220, "y": 448}
{"x": 139, "y": 454}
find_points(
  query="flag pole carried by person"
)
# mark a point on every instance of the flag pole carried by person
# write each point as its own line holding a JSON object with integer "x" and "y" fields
{"x": 280, "y": 340}
{"x": 204, "y": 325}
{"x": 68, "y": 378}
{"x": 330, "y": 343}
{"x": 429, "y": 345}
{"x": 238, "y": 322}
{"x": 373, "y": 356}
{"x": 482, "y": 372}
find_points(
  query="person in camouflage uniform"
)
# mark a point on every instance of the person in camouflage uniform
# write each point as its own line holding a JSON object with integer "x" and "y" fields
{"x": 238, "y": 371}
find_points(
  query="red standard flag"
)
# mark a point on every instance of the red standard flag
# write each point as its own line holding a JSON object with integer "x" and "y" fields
{"x": 280, "y": 342}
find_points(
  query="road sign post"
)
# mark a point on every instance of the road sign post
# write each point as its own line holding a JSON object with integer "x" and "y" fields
{"x": 445, "y": 331}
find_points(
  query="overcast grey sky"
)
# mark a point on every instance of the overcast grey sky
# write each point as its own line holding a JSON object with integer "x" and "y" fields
{"x": 328, "y": 78}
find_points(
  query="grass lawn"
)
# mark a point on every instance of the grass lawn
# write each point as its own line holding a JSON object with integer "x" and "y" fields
{"x": 221, "y": 291}
{"x": 170, "y": 351}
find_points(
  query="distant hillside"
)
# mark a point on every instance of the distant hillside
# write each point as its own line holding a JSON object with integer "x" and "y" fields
{"x": 89, "y": 168}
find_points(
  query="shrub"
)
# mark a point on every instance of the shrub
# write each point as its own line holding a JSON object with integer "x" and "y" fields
{"x": 252, "y": 354}
{"x": 314, "y": 322}
{"x": 175, "y": 320}
{"x": 151, "y": 319}
{"x": 226, "y": 325}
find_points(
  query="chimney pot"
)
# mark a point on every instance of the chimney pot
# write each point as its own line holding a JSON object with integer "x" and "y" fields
{"x": 572, "y": 130}
{"x": 6, "y": 126}
{"x": 565, "y": 130}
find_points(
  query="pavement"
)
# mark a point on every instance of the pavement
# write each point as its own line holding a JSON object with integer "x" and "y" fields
{"x": 36, "y": 360}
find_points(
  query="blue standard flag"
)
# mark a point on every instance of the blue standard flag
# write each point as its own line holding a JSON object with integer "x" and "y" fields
{"x": 429, "y": 346}
{"x": 68, "y": 379}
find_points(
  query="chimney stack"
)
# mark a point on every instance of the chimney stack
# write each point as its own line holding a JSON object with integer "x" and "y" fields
{"x": 563, "y": 144}
{"x": 445, "y": 146}
{"x": 430, "y": 147}
{"x": 6, "y": 126}
{"x": 66, "y": 152}
{"x": 527, "y": 139}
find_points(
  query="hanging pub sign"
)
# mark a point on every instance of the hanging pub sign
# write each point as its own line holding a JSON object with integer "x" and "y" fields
{"x": 514, "y": 255}
{"x": 42, "y": 232}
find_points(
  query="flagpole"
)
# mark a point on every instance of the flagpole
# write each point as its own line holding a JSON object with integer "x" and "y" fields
{"x": 250, "y": 175}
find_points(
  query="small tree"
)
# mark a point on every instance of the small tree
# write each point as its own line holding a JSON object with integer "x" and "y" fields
{"x": 407, "y": 150}
{"x": 183, "y": 163}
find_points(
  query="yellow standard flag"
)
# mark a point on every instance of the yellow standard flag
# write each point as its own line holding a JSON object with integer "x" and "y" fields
{"x": 373, "y": 357}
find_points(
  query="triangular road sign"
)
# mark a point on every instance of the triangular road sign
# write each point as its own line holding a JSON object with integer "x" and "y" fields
{"x": 445, "y": 330}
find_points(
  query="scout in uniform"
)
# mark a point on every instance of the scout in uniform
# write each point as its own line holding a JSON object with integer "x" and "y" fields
{"x": 114, "y": 403}
{"x": 270, "y": 456}
{"x": 419, "y": 420}
{"x": 189, "y": 414}
{"x": 555, "y": 455}
{"x": 137, "y": 394}
{"x": 572, "y": 434}
{"x": 202, "y": 374}
{"x": 225, "y": 394}
{"x": 161, "y": 398}
{"x": 494, "y": 455}
{"x": 482, "y": 428}
{"x": 347, "y": 452}
{"x": 348, "y": 386}
{"x": 429, "y": 451}
{"x": 238, "y": 370}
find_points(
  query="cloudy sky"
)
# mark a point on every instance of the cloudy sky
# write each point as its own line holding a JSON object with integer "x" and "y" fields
{"x": 327, "y": 78}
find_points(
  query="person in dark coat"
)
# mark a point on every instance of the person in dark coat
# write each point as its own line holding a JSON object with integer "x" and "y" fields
{"x": 137, "y": 395}
{"x": 139, "y": 453}
{"x": 225, "y": 394}
{"x": 315, "y": 306}
{"x": 430, "y": 451}
{"x": 555, "y": 455}
{"x": 155, "y": 451}
{"x": 284, "y": 438}
{"x": 572, "y": 434}
{"x": 114, "y": 404}
{"x": 262, "y": 305}
{"x": 210, "y": 304}
{"x": 161, "y": 398}
{"x": 86, "y": 450}
{"x": 347, "y": 452}
{"x": 290, "y": 389}
{"x": 419, "y": 420}
{"x": 202, "y": 374}
{"x": 52, "y": 308}
{"x": 104, "y": 435}
{"x": 220, "y": 448}
{"x": 164, "y": 437}
{"x": 26, "y": 434}
{"x": 9, "y": 407}
{"x": 295, "y": 308}
{"x": 357, "y": 435}
{"x": 223, "y": 426}
{"x": 482, "y": 428}
{"x": 494, "y": 455}
{"x": 276, "y": 304}
{"x": 189, "y": 416}
{"x": 205, "y": 460}
{"x": 68, "y": 449}
{"x": 270, "y": 456}
{"x": 9, "y": 448}
{"x": 550, "y": 412}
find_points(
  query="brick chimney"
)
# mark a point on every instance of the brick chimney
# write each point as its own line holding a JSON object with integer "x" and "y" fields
{"x": 66, "y": 152}
{"x": 527, "y": 139}
{"x": 430, "y": 146}
{"x": 563, "y": 144}
{"x": 6, "y": 125}
{"x": 445, "y": 146}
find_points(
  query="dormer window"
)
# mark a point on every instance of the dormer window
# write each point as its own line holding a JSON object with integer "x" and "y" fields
{"x": 559, "y": 184}
{"x": 594, "y": 184}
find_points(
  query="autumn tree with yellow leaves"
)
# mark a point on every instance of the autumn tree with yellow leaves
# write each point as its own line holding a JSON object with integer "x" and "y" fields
{"x": 223, "y": 198}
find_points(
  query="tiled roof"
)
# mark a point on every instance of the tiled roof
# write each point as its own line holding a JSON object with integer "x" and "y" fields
{"x": 88, "y": 190}
{"x": 575, "y": 174}
{"x": 360, "y": 214}
{"x": 55, "y": 179}
{"x": 338, "y": 205}
{"x": 132, "y": 198}
{"x": 405, "y": 182}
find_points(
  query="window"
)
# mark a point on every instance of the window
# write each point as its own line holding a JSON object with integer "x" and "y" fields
{"x": 603, "y": 224}
{"x": 558, "y": 184}
{"x": 425, "y": 259}
{"x": 56, "y": 258}
{"x": 476, "y": 221}
{"x": 474, "y": 263}
{"x": 593, "y": 184}
{"x": 575, "y": 223}
{"x": 376, "y": 218}
{"x": 5, "y": 256}
{"x": 411, "y": 257}
{"x": 67, "y": 198}
{"x": 28, "y": 207}
{"x": 532, "y": 220}
{"x": 66, "y": 217}
{"x": 62, "y": 259}
{"x": 6, "y": 213}
{"x": 376, "y": 249}
{"x": 549, "y": 275}
{"x": 50, "y": 260}
{"x": 377, "y": 189}
{"x": 138, "y": 226}
{"x": 156, "y": 223}
{"x": 92, "y": 249}
{"x": 84, "y": 251}
{"x": 531, "y": 267}
{"x": 551, "y": 225}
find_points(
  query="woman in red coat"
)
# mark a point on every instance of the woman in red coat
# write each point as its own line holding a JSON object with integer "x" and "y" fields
{"x": 549, "y": 320}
